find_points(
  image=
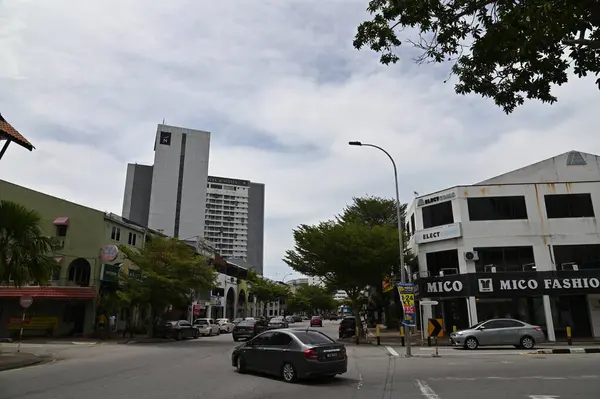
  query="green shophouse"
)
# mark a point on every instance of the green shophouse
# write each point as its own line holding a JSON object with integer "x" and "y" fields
{"x": 87, "y": 251}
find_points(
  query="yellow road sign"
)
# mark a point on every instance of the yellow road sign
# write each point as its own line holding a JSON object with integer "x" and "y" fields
{"x": 435, "y": 328}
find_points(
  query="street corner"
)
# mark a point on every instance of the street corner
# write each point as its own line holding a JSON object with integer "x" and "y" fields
{"x": 18, "y": 360}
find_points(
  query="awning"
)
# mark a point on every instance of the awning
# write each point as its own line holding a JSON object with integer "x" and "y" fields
{"x": 61, "y": 221}
{"x": 10, "y": 133}
{"x": 49, "y": 292}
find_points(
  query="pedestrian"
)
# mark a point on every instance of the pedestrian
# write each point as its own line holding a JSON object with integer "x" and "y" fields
{"x": 128, "y": 328}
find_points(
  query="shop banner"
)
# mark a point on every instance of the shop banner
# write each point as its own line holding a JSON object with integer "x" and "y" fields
{"x": 407, "y": 295}
{"x": 511, "y": 284}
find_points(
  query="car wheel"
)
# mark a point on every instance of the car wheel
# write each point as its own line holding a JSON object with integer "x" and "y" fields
{"x": 471, "y": 343}
{"x": 240, "y": 366}
{"x": 219, "y": 332}
{"x": 196, "y": 334}
{"x": 288, "y": 372}
{"x": 235, "y": 339}
{"x": 210, "y": 333}
{"x": 527, "y": 342}
{"x": 179, "y": 336}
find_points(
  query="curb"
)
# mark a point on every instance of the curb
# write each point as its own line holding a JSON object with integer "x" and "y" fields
{"x": 566, "y": 351}
{"x": 23, "y": 363}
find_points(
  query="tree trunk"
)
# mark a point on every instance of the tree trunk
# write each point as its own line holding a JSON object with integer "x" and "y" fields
{"x": 152, "y": 321}
{"x": 358, "y": 329}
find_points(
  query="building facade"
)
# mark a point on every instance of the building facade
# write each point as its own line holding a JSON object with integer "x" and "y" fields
{"x": 235, "y": 212}
{"x": 170, "y": 196}
{"x": 85, "y": 247}
{"x": 525, "y": 245}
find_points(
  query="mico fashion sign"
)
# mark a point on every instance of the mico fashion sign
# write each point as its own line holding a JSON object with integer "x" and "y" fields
{"x": 511, "y": 284}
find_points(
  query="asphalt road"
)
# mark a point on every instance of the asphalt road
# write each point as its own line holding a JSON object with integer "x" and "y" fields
{"x": 201, "y": 368}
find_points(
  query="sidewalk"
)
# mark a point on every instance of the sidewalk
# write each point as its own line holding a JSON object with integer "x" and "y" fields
{"x": 13, "y": 360}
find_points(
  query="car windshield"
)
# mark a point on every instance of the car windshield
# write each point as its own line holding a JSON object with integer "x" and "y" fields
{"x": 248, "y": 323}
{"x": 316, "y": 317}
{"x": 201, "y": 322}
{"x": 313, "y": 338}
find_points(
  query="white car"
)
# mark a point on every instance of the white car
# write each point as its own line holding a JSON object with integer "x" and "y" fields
{"x": 225, "y": 325}
{"x": 207, "y": 327}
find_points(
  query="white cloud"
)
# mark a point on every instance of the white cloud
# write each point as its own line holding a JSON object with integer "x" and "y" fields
{"x": 87, "y": 82}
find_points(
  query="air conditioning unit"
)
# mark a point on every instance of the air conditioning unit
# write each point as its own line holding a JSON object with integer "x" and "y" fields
{"x": 471, "y": 255}
{"x": 489, "y": 269}
{"x": 569, "y": 266}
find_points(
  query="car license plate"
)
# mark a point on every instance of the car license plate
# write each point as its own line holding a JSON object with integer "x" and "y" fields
{"x": 330, "y": 355}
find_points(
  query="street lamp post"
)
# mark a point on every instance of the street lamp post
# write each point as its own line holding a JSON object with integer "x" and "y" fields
{"x": 400, "y": 229}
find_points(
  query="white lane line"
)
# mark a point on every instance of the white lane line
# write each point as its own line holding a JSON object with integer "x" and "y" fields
{"x": 360, "y": 381}
{"x": 426, "y": 390}
{"x": 392, "y": 351}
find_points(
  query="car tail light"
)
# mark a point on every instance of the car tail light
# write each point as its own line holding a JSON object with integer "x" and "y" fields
{"x": 311, "y": 354}
{"x": 537, "y": 328}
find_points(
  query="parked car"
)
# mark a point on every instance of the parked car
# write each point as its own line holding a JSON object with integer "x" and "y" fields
{"x": 347, "y": 327}
{"x": 248, "y": 329}
{"x": 237, "y": 321}
{"x": 333, "y": 317}
{"x": 278, "y": 322}
{"x": 225, "y": 325}
{"x": 499, "y": 332}
{"x": 292, "y": 354}
{"x": 177, "y": 329}
{"x": 290, "y": 319}
{"x": 297, "y": 318}
{"x": 207, "y": 327}
{"x": 316, "y": 321}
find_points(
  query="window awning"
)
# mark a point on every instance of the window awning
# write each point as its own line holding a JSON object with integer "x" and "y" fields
{"x": 61, "y": 221}
{"x": 49, "y": 292}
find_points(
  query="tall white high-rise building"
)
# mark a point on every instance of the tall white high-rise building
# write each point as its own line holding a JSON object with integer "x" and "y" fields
{"x": 171, "y": 195}
{"x": 235, "y": 219}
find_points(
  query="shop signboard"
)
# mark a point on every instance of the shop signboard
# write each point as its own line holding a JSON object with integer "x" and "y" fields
{"x": 439, "y": 233}
{"x": 512, "y": 284}
{"x": 110, "y": 273}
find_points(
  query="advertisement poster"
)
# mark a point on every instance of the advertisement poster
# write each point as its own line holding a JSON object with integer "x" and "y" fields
{"x": 407, "y": 294}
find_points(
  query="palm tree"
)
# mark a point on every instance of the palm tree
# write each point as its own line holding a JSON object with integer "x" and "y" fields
{"x": 24, "y": 248}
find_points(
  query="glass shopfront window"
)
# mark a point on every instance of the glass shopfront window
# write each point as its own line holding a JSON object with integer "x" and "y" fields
{"x": 527, "y": 309}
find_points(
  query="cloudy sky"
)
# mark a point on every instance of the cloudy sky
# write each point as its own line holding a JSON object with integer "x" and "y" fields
{"x": 279, "y": 86}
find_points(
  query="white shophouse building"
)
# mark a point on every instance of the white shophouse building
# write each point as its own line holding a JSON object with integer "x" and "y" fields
{"x": 525, "y": 244}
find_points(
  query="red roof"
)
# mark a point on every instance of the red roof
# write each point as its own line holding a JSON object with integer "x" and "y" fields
{"x": 49, "y": 292}
{"x": 10, "y": 133}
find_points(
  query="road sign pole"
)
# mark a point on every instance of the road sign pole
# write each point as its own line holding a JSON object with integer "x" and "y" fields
{"x": 21, "y": 332}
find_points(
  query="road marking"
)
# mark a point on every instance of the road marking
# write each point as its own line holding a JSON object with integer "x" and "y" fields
{"x": 535, "y": 377}
{"x": 426, "y": 390}
{"x": 392, "y": 351}
{"x": 543, "y": 396}
{"x": 360, "y": 381}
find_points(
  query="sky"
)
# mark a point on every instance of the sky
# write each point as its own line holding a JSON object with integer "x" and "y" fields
{"x": 281, "y": 89}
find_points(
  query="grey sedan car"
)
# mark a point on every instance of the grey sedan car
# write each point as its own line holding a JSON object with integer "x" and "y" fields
{"x": 292, "y": 354}
{"x": 499, "y": 332}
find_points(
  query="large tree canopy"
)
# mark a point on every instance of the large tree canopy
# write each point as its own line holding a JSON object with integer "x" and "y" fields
{"x": 309, "y": 298}
{"x": 171, "y": 274}
{"x": 265, "y": 290}
{"x": 506, "y": 50}
{"x": 346, "y": 255}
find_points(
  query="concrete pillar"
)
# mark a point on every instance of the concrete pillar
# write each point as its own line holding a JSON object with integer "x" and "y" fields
{"x": 209, "y": 311}
{"x": 549, "y": 318}
{"x": 472, "y": 308}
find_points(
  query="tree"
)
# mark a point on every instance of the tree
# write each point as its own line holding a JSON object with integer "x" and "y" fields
{"x": 25, "y": 251}
{"x": 171, "y": 274}
{"x": 374, "y": 211}
{"x": 266, "y": 291}
{"x": 346, "y": 255}
{"x": 310, "y": 298}
{"x": 504, "y": 50}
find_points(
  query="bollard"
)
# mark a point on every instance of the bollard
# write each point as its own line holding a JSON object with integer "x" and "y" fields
{"x": 377, "y": 335}
{"x": 437, "y": 353}
{"x": 402, "y": 335}
{"x": 454, "y": 329}
{"x": 569, "y": 337}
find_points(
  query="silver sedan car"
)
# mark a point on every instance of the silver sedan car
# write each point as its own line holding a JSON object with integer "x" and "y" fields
{"x": 499, "y": 332}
